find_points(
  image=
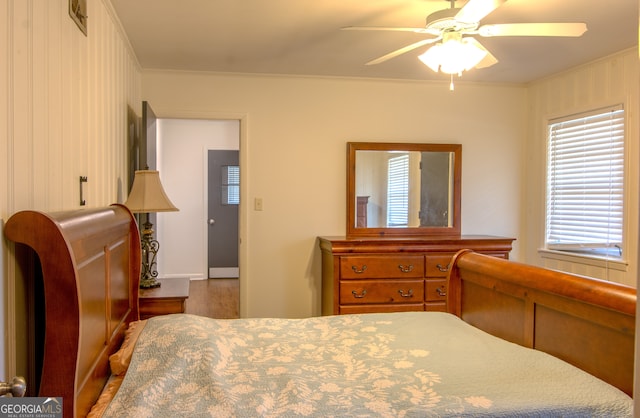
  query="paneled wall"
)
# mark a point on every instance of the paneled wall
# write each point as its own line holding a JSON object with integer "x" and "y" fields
{"x": 64, "y": 105}
{"x": 611, "y": 80}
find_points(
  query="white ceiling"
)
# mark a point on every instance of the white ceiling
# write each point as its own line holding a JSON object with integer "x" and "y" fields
{"x": 302, "y": 37}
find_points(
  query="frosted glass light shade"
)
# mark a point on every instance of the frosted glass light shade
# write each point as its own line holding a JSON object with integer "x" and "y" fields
{"x": 148, "y": 195}
{"x": 453, "y": 56}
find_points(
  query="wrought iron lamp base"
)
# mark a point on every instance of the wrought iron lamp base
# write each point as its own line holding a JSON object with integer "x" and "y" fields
{"x": 150, "y": 247}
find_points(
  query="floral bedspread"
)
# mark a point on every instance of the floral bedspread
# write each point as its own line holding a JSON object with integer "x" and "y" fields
{"x": 420, "y": 364}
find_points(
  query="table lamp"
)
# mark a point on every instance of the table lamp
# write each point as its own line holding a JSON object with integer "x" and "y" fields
{"x": 148, "y": 196}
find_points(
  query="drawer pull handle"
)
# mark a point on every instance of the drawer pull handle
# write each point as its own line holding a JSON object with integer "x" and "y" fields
{"x": 359, "y": 295}
{"x": 359, "y": 270}
{"x": 409, "y": 294}
{"x": 443, "y": 269}
{"x": 442, "y": 291}
{"x": 406, "y": 269}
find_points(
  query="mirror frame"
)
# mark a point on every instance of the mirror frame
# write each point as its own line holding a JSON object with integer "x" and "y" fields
{"x": 353, "y": 231}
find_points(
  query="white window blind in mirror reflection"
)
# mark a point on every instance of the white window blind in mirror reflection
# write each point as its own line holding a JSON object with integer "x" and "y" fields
{"x": 398, "y": 191}
{"x": 585, "y": 183}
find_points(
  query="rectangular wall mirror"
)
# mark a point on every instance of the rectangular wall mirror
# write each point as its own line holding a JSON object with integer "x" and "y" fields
{"x": 403, "y": 189}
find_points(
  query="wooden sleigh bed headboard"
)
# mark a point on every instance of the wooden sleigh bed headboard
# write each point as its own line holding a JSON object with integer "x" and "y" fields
{"x": 587, "y": 322}
{"x": 91, "y": 264}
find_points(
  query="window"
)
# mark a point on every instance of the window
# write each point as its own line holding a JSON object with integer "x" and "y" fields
{"x": 398, "y": 191}
{"x": 230, "y": 185}
{"x": 585, "y": 190}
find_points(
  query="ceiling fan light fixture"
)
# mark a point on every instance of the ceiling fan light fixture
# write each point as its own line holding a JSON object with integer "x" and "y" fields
{"x": 456, "y": 27}
{"x": 453, "y": 56}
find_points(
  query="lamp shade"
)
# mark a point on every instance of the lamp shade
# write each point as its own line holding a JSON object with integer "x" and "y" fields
{"x": 148, "y": 195}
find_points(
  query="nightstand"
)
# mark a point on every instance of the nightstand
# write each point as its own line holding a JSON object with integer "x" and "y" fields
{"x": 169, "y": 298}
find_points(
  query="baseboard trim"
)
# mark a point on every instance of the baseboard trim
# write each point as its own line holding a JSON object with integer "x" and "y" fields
{"x": 224, "y": 272}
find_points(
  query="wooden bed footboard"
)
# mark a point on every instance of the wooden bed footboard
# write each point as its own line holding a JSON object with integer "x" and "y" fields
{"x": 587, "y": 322}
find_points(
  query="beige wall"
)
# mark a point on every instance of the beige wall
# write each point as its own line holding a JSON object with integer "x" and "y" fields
{"x": 293, "y": 155}
{"x": 301, "y": 125}
{"x": 63, "y": 114}
{"x": 606, "y": 82}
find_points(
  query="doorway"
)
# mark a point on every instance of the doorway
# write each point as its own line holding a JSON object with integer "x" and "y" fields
{"x": 183, "y": 146}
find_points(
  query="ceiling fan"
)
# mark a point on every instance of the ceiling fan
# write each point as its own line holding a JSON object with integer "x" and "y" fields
{"x": 452, "y": 31}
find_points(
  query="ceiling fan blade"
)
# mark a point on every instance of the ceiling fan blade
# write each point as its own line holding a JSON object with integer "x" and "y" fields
{"x": 476, "y": 10}
{"x": 402, "y": 51}
{"x": 488, "y": 59}
{"x": 391, "y": 28}
{"x": 533, "y": 29}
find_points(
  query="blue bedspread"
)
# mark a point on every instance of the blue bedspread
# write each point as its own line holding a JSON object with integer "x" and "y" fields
{"x": 420, "y": 364}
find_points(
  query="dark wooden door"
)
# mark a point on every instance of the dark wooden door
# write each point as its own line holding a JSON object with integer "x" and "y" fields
{"x": 224, "y": 202}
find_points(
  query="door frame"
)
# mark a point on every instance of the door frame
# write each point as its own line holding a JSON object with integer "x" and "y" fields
{"x": 243, "y": 250}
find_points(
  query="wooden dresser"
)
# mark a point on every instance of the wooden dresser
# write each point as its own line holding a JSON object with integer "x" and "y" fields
{"x": 391, "y": 274}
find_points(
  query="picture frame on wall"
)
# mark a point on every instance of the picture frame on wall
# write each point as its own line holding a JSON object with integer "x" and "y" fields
{"x": 78, "y": 12}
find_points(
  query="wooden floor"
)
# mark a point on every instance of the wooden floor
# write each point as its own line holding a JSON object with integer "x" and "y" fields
{"x": 214, "y": 298}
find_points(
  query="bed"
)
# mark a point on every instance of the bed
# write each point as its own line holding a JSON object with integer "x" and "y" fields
{"x": 463, "y": 363}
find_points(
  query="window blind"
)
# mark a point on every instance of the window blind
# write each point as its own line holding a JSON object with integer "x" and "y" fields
{"x": 398, "y": 191}
{"x": 585, "y": 183}
{"x": 231, "y": 185}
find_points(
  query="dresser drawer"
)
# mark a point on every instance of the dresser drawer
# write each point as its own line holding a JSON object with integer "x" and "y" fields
{"x": 438, "y": 265}
{"x": 376, "y": 291}
{"x": 381, "y": 307}
{"x": 436, "y": 290}
{"x": 381, "y": 267}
